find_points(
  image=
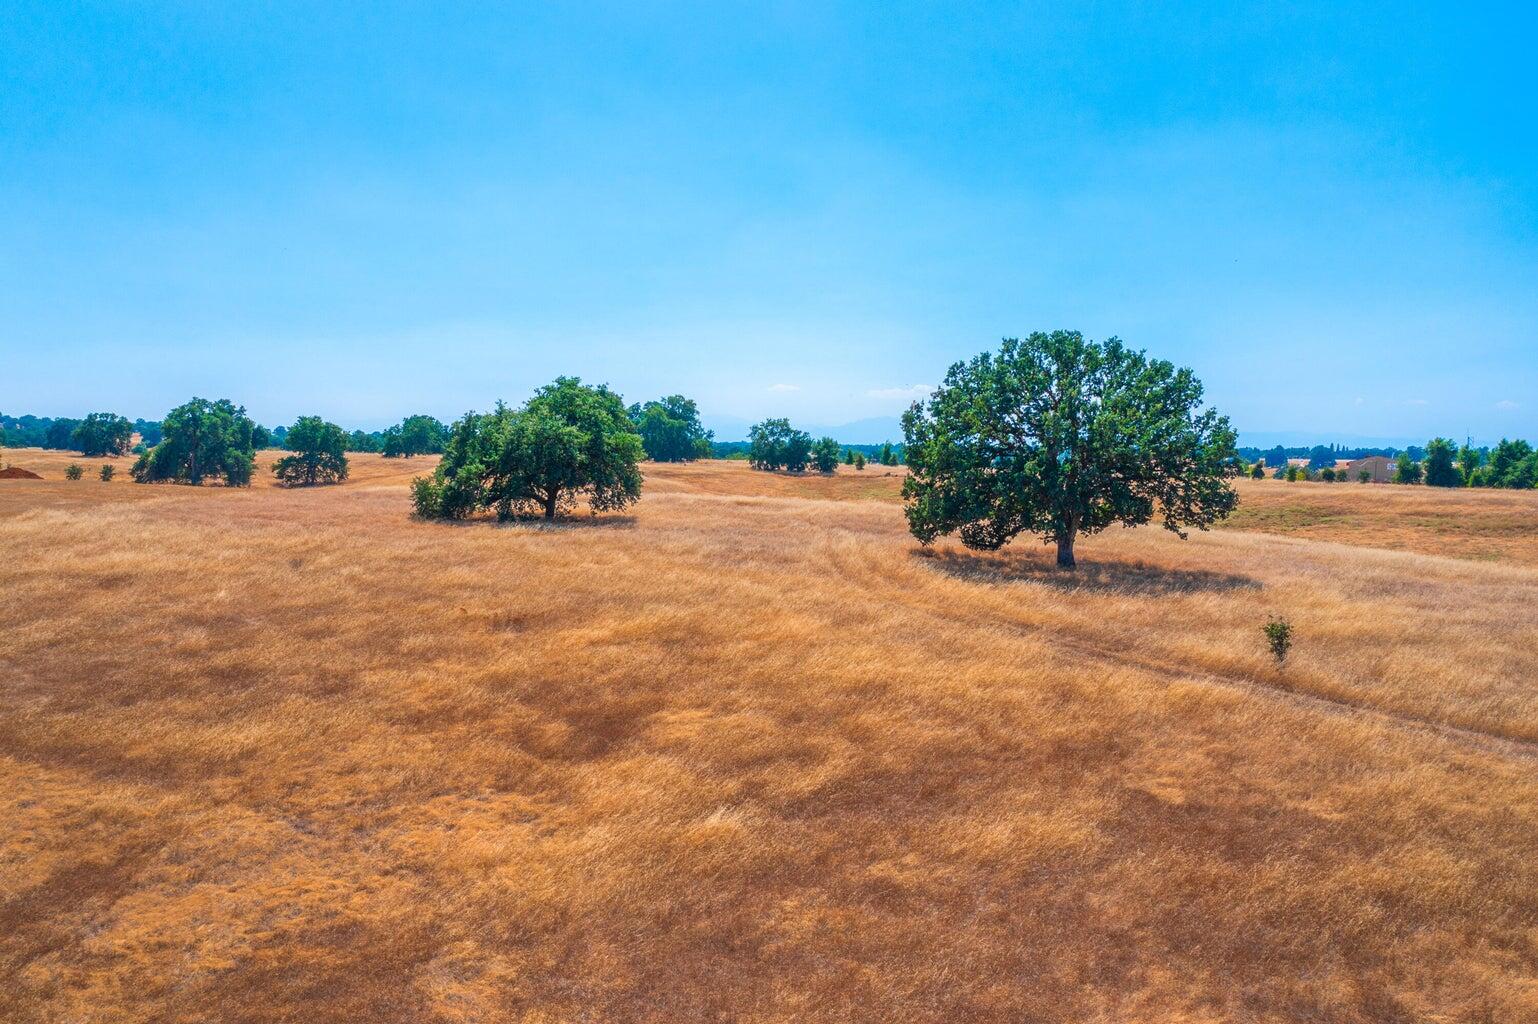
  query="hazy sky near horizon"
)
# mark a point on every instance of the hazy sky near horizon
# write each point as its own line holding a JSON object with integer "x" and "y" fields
{"x": 1329, "y": 211}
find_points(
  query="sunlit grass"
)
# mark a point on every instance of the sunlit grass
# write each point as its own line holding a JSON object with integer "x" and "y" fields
{"x": 749, "y": 754}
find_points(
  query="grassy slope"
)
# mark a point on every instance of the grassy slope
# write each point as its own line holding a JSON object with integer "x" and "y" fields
{"x": 745, "y": 754}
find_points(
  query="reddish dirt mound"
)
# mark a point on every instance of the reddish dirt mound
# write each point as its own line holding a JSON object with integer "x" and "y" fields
{"x": 16, "y": 473}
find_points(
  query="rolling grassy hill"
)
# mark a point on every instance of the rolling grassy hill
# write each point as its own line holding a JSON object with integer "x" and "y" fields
{"x": 750, "y": 754}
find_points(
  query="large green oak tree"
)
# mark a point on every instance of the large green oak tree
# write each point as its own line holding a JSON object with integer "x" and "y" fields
{"x": 1060, "y": 436}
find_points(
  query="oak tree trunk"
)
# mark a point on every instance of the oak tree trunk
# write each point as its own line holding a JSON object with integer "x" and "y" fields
{"x": 1065, "y": 550}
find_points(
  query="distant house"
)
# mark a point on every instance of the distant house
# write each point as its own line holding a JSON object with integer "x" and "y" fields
{"x": 1380, "y": 468}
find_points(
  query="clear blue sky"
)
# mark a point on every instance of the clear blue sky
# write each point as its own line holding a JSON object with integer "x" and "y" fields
{"x": 1329, "y": 211}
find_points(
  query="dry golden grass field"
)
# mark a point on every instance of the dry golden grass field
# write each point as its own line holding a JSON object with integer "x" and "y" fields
{"x": 748, "y": 754}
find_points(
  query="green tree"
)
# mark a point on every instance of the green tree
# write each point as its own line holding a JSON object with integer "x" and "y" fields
{"x": 775, "y": 444}
{"x": 1258, "y": 471}
{"x": 201, "y": 439}
{"x": 825, "y": 455}
{"x": 390, "y": 442}
{"x": 1059, "y": 436}
{"x": 148, "y": 431}
{"x": 1364, "y": 476}
{"x": 1469, "y": 461}
{"x": 885, "y": 456}
{"x": 1441, "y": 470}
{"x": 1406, "y": 470}
{"x": 848, "y": 456}
{"x": 60, "y": 434}
{"x": 671, "y": 431}
{"x": 319, "y": 454}
{"x": 108, "y": 471}
{"x": 103, "y": 433}
{"x": 414, "y": 435}
{"x": 360, "y": 441}
{"x": 570, "y": 439}
{"x": 859, "y": 460}
{"x": 1510, "y": 465}
{"x": 73, "y": 471}
{"x": 261, "y": 437}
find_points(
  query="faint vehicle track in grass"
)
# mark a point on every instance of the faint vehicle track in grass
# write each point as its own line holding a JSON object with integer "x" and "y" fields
{"x": 1140, "y": 579}
{"x": 1172, "y": 671}
{"x": 1151, "y": 581}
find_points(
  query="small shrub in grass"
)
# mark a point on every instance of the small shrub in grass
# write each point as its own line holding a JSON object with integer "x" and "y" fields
{"x": 1364, "y": 476}
{"x": 106, "y": 474}
{"x": 859, "y": 460}
{"x": 1279, "y": 638}
{"x": 427, "y": 497}
{"x": 73, "y": 471}
{"x": 1327, "y": 475}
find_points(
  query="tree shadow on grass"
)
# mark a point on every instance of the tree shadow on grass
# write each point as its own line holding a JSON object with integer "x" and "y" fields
{"x": 1090, "y": 576}
{"x": 559, "y": 525}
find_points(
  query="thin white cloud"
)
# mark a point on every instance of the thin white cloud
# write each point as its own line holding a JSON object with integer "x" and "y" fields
{"x": 1416, "y": 401}
{"x": 784, "y": 387}
{"x": 910, "y": 393}
{"x": 1506, "y": 403}
{"x": 1360, "y": 400}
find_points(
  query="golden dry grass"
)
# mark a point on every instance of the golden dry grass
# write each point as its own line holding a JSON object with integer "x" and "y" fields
{"x": 1485, "y": 525}
{"x": 746, "y": 754}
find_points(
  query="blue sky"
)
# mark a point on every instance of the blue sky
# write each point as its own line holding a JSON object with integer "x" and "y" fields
{"x": 1330, "y": 212}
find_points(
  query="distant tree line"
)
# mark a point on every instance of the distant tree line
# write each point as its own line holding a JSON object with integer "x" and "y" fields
{"x": 1441, "y": 463}
{"x": 885, "y": 454}
{"x": 1320, "y": 455}
{"x": 100, "y": 433}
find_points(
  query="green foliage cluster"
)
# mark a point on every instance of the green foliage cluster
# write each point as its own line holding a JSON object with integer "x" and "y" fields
{"x": 1058, "y": 436}
{"x": 1406, "y": 470}
{"x": 45, "y": 432}
{"x": 201, "y": 439}
{"x": 319, "y": 454}
{"x": 60, "y": 434}
{"x": 103, "y": 433}
{"x": 414, "y": 435}
{"x": 1509, "y": 464}
{"x": 73, "y": 471}
{"x": 825, "y": 455}
{"x": 670, "y": 430}
{"x": 1278, "y": 632}
{"x": 570, "y": 439}
{"x": 775, "y": 444}
{"x": 1440, "y": 467}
